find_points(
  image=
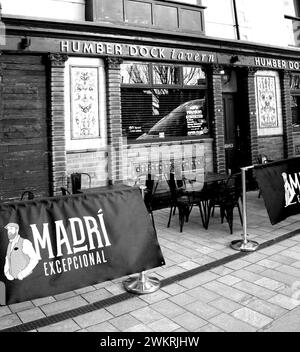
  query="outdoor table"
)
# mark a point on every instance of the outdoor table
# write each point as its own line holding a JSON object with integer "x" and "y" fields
{"x": 75, "y": 241}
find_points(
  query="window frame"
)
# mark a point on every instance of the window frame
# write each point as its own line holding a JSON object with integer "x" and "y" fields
{"x": 296, "y": 93}
{"x": 179, "y": 86}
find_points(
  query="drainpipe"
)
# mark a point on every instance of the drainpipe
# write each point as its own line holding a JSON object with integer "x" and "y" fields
{"x": 236, "y": 20}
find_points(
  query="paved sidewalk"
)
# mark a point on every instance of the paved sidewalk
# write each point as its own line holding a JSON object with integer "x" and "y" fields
{"x": 256, "y": 292}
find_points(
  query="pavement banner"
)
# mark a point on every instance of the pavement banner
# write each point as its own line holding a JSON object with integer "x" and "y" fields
{"x": 53, "y": 245}
{"x": 279, "y": 183}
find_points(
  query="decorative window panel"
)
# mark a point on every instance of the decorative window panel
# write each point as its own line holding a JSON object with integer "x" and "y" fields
{"x": 84, "y": 102}
{"x": 268, "y": 102}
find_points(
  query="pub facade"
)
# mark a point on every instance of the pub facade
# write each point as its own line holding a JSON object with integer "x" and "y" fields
{"x": 132, "y": 86}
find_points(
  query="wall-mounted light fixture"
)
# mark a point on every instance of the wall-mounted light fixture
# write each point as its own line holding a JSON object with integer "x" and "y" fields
{"x": 25, "y": 43}
{"x": 234, "y": 59}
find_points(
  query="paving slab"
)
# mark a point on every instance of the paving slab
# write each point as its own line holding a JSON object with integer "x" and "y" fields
{"x": 290, "y": 322}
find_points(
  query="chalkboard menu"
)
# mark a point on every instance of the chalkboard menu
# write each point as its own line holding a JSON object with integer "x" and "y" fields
{"x": 196, "y": 122}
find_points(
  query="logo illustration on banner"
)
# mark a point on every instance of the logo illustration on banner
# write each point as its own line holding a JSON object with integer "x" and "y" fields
{"x": 21, "y": 257}
{"x": 290, "y": 187}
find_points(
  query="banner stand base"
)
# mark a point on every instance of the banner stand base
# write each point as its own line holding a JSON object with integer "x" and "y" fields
{"x": 240, "y": 245}
{"x": 142, "y": 284}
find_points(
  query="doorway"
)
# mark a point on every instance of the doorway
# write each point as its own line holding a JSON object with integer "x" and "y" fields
{"x": 236, "y": 123}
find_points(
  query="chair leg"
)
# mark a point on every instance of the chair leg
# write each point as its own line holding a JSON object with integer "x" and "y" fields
{"x": 170, "y": 216}
{"x": 181, "y": 217}
{"x": 223, "y": 213}
{"x": 203, "y": 217}
{"x": 210, "y": 211}
{"x": 229, "y": 218}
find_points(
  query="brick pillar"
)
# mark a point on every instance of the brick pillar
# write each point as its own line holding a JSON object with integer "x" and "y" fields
{"x": 114, "y": 120}
{"x": 217, "y": 117}
{"x": 250, "y": 89}
{"x": 286, "y": 114}
{"x": 57, "y": 120}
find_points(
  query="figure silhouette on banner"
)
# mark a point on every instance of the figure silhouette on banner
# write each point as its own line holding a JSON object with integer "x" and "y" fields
{"x": 21, "y": 257}
{"x": 289, "y": 191}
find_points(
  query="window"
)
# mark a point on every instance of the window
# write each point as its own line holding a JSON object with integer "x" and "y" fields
{"x": 166, "y": 74}
{"x": 170, "y": 103}
{"x": 135, "y": 73}
{"x": 295, "y": 101}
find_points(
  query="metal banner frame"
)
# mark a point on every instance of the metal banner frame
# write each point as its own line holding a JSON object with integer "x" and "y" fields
{"x": 244, "y": 245}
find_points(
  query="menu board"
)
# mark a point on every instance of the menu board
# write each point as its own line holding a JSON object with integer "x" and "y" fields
{"x": 196, "y": 123}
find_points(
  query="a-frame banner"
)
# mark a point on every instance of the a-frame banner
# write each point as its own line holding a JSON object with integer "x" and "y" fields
{"x": 53, "y": 245}
{"x": 279, "y": 183}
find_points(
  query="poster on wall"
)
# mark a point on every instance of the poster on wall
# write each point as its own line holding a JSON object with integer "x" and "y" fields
{"x": 196, "y": 123}
{"x": 267, "y": 102}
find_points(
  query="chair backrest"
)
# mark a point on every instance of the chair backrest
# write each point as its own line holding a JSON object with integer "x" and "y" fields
{"x": 262, "y": 159}
{"x": 76, "y": 179}
{"x": 148, "y": 184}
{"x": 233, "y": 186}
{"x": 27, "y": 195}
{"x": 193, "y": 181}
{"x": 174, "y": 184}
{"x": 64, "y": 191}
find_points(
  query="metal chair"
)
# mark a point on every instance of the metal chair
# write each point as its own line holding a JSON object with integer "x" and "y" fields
{"x": 27, "y": 195}
{"x": 64, "y": 191}
{"x": 76, "y": 181}
{"x": 185, "y": 194}
{"x": 226, "y": 196}
{"x": 154, "y": 198}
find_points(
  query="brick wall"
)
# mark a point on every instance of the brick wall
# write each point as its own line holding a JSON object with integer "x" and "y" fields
{"x": 216, "y": 112}
{"x": 296, "y": 143}
{"x": 286, "y": 115}
{"x": 56, "y": 87}
{"x": 250, "y": 89}
{"x": 92, "y": 162}
{"x": 114, "y": 119}
{"x": 272, "y": 146}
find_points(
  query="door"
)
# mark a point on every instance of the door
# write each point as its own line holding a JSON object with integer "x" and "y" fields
{"x": 230, "y": 132}
{"x": 23, "y": 127}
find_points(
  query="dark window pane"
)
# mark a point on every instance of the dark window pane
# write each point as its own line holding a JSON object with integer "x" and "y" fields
{"x": 163, "y": 113}
{"x": 166, "y": 17}
{"x": 295, "y": 82}
{"x": 139, "y": 13}
{"x": 111, "y": 10}
{"x": 133, "y": 73}
{"x": 168, "y": 75}
{"x": 295, "y": 105}
{"x": 193, "y": 76}
{"x": 191, "y": 20}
